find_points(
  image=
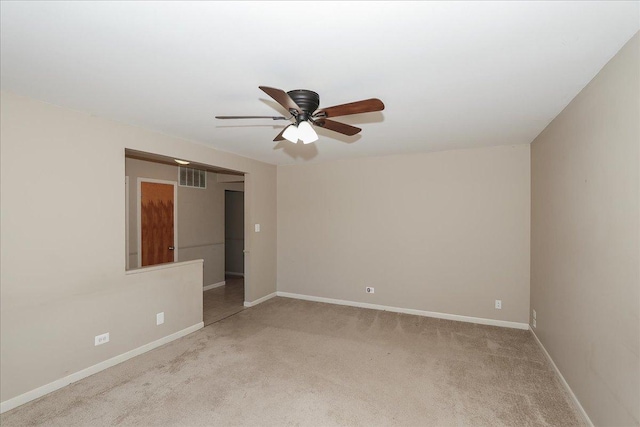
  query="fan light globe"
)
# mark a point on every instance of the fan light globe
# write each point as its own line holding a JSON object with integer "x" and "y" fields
{"x": 306, "y": 133}
{"x": 291, "y": 134}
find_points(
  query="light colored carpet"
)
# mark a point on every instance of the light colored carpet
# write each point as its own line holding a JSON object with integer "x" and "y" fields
{"x": 290, "y": 362}
{"x": 218, "y": 303}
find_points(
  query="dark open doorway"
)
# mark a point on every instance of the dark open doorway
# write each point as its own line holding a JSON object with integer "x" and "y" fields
{"x": 234, "y": 233}
{"x": 223, "y": 302}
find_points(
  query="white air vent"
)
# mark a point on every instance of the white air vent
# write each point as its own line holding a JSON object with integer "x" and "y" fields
{"x": 189, "y": 177}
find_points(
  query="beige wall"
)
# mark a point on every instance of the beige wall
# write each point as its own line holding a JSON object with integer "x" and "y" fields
{"x": 585, "y": 277}
{"x": 63, "y": 277}
{"x": 200, "y": 218}
{"x": 444, "y": 232}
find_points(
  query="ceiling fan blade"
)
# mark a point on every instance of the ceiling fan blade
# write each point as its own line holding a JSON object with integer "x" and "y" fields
{"x": 281, "y": 98}
{"x": 365, "y": 106}
{"x": 342, "y": 128}
{"x": 252, "y": 117}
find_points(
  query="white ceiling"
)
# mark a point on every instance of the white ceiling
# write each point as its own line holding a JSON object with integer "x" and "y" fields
{"x": 451, "y": 74}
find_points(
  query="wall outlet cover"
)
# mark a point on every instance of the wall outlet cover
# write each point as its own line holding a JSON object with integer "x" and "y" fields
{"x": 160, "y": 318}
{"x": 102, "y": 339}
{"x": 498, "y": 304}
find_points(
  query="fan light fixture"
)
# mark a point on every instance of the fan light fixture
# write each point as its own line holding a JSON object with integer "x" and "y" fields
{"x": 291, "y": 134}
{"x": 303, "y": 132}
{"x": 306, "y": 133}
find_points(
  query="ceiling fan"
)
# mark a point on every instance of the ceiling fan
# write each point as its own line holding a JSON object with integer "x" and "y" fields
{"x": 303, "y": 106}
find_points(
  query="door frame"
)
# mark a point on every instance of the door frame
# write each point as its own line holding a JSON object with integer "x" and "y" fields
{"x": 175, "y": 215}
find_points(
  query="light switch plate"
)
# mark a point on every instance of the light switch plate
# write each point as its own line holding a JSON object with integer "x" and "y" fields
{"x": 257, "y": 227}
{"x": 160, "y": 318}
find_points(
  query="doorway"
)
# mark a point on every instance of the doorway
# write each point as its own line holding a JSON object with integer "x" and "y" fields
{"x": 234, "y": 233}
{"x": 228, "y": 300}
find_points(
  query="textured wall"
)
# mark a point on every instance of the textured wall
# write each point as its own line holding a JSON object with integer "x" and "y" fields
{"x": 445, "y": 232}
{"x": 62, "y": 248}
{"x": 585, "y": 268}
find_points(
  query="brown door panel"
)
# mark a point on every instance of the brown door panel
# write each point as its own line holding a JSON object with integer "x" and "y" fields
{"x": 156, "y": 223}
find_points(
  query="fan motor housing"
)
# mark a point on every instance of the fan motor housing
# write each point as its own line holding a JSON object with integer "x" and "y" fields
{"x": 307, "y": 100}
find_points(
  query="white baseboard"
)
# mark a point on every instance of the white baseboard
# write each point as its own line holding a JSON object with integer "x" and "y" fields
{"x": 233, "y": 273}
{"x": 77, "y": 376}
{"x": 259, "y": 300}
{"x": 215, "y": 285}
{"x": 479, "y": 320}
{"x": 564, "y": 382}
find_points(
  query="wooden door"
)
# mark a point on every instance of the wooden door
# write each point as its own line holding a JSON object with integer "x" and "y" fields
{"x": 156, "y": 223}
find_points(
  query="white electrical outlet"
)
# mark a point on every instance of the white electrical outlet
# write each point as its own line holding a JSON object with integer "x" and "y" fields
{"x": 160, "y": 318}
{"x": 370, "y": 290}
{"x": 257, "y": 228}
{"x": 498, "y": 304}
{"x": 102, "y": 339}
{"x": 533, "y": 323}
{"x": 534, "y": 314}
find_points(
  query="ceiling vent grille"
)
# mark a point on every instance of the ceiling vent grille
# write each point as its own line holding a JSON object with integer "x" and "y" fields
{"x": 189, "y": 177}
